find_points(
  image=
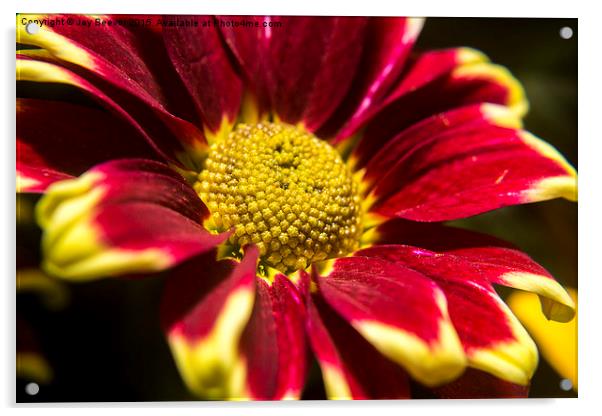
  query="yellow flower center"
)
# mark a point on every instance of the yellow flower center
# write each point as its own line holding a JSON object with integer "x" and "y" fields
{"x": 284, "y": 190}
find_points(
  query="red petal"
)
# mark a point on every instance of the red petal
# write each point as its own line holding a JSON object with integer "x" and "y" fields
{"x": 387, "y": 43}
{"x": 352, "y": 368}
{"x": 493, "y": 339}
{"x": 456, "y": 79}
{"x": 312, "y": 63}
{"x": 129, "y": 216}
{"x": 455, "y": 122}
{"x": 496, "y": 261}
{"x": 51, "y": 147}
{"x": 120, "y": 65}
{"x": 36, "y": 179}
{"x": 38, "y": 71}
{"x": 431, "y": 236}
{"x": 201, "y": 61}
{"x": 427, "y": 66}
{"x": 249, "y": 45}
{"x": 273, "y": 343}
{"x": 130, "y": 57}
{"x": 400, "y": 311}
{"x": 195, "y": 291}
{"x": 513, "y": 268}
{"x": 206, "y": 306}
{"x": 467, "y": 165}
{"x": 107, "y": 50}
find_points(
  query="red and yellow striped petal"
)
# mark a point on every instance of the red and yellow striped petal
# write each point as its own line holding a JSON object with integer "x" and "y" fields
{"x": 110, "y": 51}
{"x": 387, "y": 161}
{"x": 463, "y": 67}
{"x": 425, "y": 67}
{"x": 493, "y": 339}
{"x": 352, "y": 368}
{"x": 512, "y": 268}
{"x": 37, "y": 179}
{"x": 44, "y": 72}
{"x": 400, "y": 311}
{"x": 464, "y": 77}
{"x": 464, "y": 163}
{"x": 129, "y": 57}
{"x": 494, "y": 261}
{"x": 272, "y": 345}
{"x": 201, "y": 60}
{"x": 56, "y": 140}
{"x": 122, "y": 217}
{"x": 206, "y": 307}
{"x": 169, "y": 134}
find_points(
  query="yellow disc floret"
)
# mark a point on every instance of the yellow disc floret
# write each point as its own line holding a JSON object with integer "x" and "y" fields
{"x": 285, "y": 191}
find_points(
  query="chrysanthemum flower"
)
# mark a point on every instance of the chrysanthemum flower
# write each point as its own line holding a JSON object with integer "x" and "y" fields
{"x": 294, "y": 173}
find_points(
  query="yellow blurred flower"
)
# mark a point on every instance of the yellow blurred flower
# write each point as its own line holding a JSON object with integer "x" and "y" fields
{"x": 557, "y": 341}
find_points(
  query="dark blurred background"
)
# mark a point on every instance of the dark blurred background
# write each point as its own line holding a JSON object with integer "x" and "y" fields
{"x": 106, "y": 345}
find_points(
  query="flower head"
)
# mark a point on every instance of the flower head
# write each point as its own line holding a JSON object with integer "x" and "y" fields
{"x": 293, "y": 174}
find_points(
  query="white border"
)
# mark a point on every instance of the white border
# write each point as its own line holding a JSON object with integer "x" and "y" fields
{"x": 507, "y": 8}
{"x": 590, "y": 70}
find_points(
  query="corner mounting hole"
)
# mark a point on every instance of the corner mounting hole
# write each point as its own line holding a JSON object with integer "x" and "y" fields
{"x": 566, "y": 32}
{"x": 32, "y": 389}
{"x": 32, "y": 28}
{"x": 566, "y": 384}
